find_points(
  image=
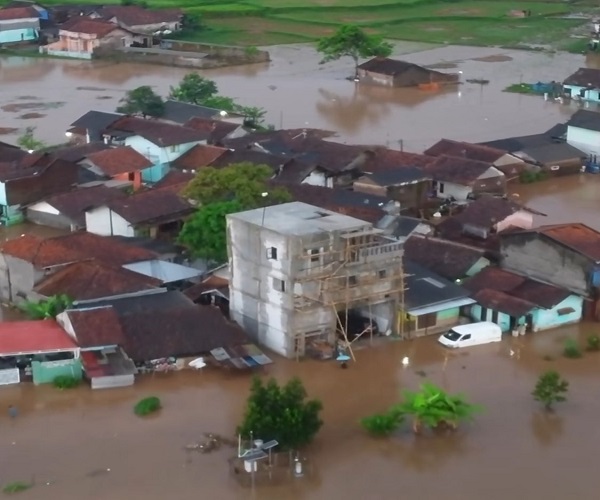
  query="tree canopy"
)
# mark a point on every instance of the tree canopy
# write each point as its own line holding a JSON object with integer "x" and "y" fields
{"x": 142, "y": 101}
{"x": 282, "y": 413}
{"x": 430, "y": 407}
{"x": 28, "y": 140}
{"x": 223, "y": 191}
{"x": 194, "y": 89}
{"x": 351, "y": 41}
{"x": 46, "y": 309}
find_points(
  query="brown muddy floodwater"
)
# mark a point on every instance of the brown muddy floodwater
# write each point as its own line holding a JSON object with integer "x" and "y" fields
{"x": 573, "y": 198}
{"x": 66, "y": 440}
{"x": 298, "y": 92}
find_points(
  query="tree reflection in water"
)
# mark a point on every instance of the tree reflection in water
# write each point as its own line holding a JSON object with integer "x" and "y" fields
{"x": 547, "y": 427}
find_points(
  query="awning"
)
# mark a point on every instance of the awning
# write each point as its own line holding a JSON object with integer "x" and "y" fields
{"x": 241, "y": 357}
{"x": 34, "y": 337}
{"x": 466, "y": 301}
{"x": 166, "y": 272}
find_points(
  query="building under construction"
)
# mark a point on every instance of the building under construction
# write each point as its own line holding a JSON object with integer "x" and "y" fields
{"x": 306, "y": 279}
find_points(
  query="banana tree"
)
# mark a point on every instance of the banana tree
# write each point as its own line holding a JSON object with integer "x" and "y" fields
{"x": 432, "y": 407}
{"x": 47, "y": 309}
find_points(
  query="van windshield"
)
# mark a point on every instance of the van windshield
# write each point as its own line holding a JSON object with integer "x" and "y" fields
{"x": 452, "y": 335}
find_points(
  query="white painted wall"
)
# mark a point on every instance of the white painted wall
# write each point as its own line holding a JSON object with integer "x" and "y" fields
{"x": 450, "y": 189}
{"x": 520, "y": 219}
{"x": 586, "y": 140}
{"x": 98, "y": 221}
{"x": 45, "y": 207}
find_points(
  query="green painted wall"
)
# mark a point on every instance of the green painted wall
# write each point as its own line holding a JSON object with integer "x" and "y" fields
{"x": 448, "y": 314}
{"x": 46, "y": 372}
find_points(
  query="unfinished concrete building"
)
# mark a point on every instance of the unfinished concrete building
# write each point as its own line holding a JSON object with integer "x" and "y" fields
{"x": 304, "y": 278}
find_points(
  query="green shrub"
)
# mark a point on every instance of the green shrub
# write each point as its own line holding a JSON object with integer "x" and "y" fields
{"x": 593, "y": 343}
{"x": 16, "y": 487}
{"x": 571, "y": 349}
{"x": 528, "y": 177}
{"x": 382, "y": 424}
{"x": 65, "y": 382}
{"x": 146, "y": 406}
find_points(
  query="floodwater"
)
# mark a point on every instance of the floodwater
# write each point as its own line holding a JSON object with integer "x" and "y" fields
{"x": 298, "y": 92}
{"x": 574, "y": 198}
{"x": 84, "y": 444}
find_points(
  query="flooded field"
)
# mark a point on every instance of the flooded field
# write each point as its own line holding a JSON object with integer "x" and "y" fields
{"x": 86, "y": 444}
{"x": 297, "y": 91}
{"x": 563, "y": 199}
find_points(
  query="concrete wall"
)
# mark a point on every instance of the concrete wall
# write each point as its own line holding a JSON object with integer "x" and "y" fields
{"x": 17, "y": 279}
{"x": 45, "y": 372}
{"x": 583, "y": 93}
{"x": 520, "y": 219}
{"x": 19, "y": 34}
{"x": 539, "y": 258}
{"x": 230, "y": 52}
{"x": 586, "y": 140}
{"x": 316, "y": 178}
{"x": 269, "y": 313}
{"x": 450, "y": 189}
{"x": 476, "y": 313}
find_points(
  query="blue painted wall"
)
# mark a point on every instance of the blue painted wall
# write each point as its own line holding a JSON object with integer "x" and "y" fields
{"x": 543, "y": 319}
{"x": 588, "y": 95}
{"x": 155, "y": 173}
{"x": 18, "y": 35}
{"x": 549, "y": 318}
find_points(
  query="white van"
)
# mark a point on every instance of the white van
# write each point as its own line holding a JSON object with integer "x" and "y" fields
{"x": 472, "y": 334}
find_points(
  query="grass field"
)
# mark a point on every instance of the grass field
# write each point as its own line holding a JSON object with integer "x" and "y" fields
{"x": 483, "y": 22}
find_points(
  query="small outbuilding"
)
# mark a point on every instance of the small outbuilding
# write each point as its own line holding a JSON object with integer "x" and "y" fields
{"x": 395, "y": 73}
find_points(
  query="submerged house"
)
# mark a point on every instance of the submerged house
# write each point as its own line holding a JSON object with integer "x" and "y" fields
{"x": 19, "y": 24}
{"x": 395, "y": 73}
{"x": 584, "y": 84}
{"x": 512, "y": 300}
{"x": 140, "y": 19}
{"x": 583, "y": 132}
{"x": 462, "y": 179}
{"x": 431, "y": 303}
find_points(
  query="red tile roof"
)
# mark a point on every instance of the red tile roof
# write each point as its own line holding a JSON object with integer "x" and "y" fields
{"x": 465, "y": 150}
{"x": 159, "y": 133}
{"x": 89, "y": 26}
{"x": 199, "y": 156}
{"x": 120, "y": 160}
{"x": 457, "y": 170}
{"x": 383, "y": 159}
{"x": 151, "y": 206}
{"x": 13, "y": 13}
{"x": 74, "y": 247}
{"x": 28, "y": 337}
{"x": 174, "y": 178}
{"x": 211, "y": 283}
{"x": 577, "y": 236}
{"x": 93, "y": 280}
{"x": 73, "y": 204}
{"x": 512, "y": 293}
{"x": 96, "y": 326}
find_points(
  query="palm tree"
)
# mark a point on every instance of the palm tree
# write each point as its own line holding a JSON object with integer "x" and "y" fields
{"x": 434, "y": 408}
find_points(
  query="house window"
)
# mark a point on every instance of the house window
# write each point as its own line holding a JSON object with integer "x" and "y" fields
{"x": 565, "y": 310}
{"x": 272, "y": 253}
{"x": 314, "y": 254}
{"x": 426, "y": 321}
{"x": 175, "y": 148}
{"x": 382, "y": 274}
{"x": 441, "y": 187}
{"x": 352, "y": 280}
{"x": 278, "y": 285}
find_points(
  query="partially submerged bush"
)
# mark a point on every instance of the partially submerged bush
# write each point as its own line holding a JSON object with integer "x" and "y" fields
{"x": 146, "y": 406}
{"x": 382, "y": 424}
{"x": 16, "y": 487}
{"x": 593, "y": 343}
{"x": 65, "y": 382}
{"x": 572, "y": 349}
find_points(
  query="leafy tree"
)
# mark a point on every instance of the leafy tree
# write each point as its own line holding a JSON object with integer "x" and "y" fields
{"x": 550, "y": 389}
{"x": 383, "y": 424}
{"x": 205, "y": 232}
{"x": 351, "y": 41}
{"x": 220, "y": 192}
{"x": 244, "y": 182}
{"x": 46, "y": 309}
{"x": 434, "y": 408}
{"x": 222, "y": 102}
{"x": 28, "y": 141}
{"x": 255, "y": 117}
{"x": 281, "y": 413}
{"x": 194, "y": 89}
{"x": 142, "y": 101}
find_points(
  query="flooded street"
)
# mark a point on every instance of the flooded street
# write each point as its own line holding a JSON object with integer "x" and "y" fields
{"x": 69, "y": 439}
{"x": 297, "y": 91}
{"x": 573, "y": 198}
